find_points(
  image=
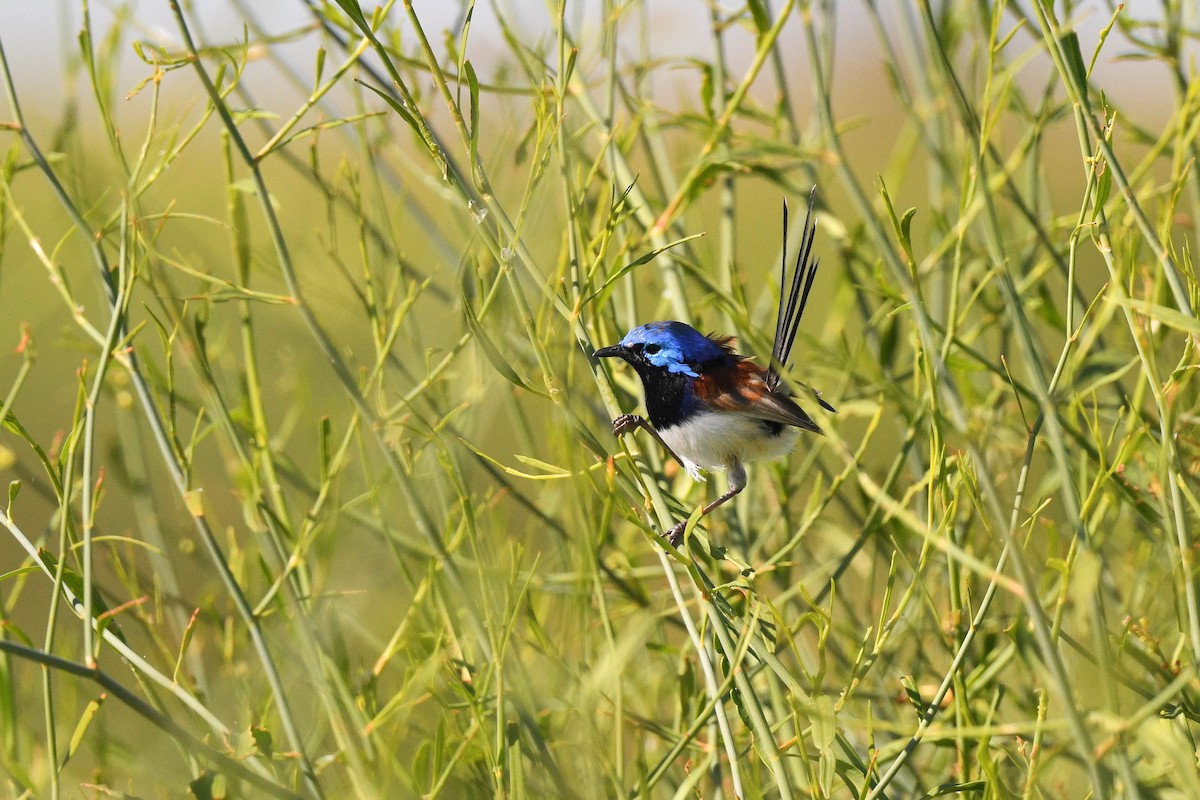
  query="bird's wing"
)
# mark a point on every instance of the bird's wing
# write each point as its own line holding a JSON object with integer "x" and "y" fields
{"x": 741, "y": 388}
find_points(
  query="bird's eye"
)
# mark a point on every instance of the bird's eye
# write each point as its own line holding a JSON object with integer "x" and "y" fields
{"x": 651, "y": 349}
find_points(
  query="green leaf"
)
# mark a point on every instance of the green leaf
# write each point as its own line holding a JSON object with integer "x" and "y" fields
{"x": 73, "y": 582}
{"x": 692, "y": 521}
{"x": 263, "y": 741}
{"x": 906, "y": 228}
{"x": 824, "y": 728}
{"x": 1073, "y": 56}
{"x": 202, "y": 787}
{"x": 1167, "y": 316}
{"x": 1104, "y": 37}
{"x": 549, "y": 469}
{"x": 355, "y": 13}
{"x": 473, "y": 90}
{"x": 959, "y": 789}
{"x": 324, "y": 432}
{"x": 632, "y": 265}
{"x": 320, "y": 71}
{"x": 85, "y": 722}
{"x": 19, "y": 571}
{"x": 253, "y": 113}
{"x": 551, "y": 472}
{"x": 1104, "y": 182}
{"x": 901, "y": 226}
{"x": 183, "y": 645}
{"x": 396, "y": 105}
{"x": 1100, "y": 370}
{"x": 913, "y": 693}
{"x": 493, "y": 355}
{"x": 762, "y": 19}
{"x": 248, "y": 186}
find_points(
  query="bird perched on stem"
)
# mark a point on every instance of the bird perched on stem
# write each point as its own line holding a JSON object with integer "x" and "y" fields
{"x": 711, "y": 408}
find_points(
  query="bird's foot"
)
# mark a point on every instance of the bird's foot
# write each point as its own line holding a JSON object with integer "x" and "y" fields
{"x": 675, "y": 535}
{"x": 626, "y": 423}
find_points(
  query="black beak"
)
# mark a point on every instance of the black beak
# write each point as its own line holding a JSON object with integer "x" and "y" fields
{"x": 618, "y": 350}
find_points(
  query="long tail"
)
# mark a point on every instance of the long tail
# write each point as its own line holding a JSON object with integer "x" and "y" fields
{"x": 793, "y": 299}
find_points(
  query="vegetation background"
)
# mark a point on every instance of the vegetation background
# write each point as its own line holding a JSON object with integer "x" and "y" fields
{"x": 311, "y": 489}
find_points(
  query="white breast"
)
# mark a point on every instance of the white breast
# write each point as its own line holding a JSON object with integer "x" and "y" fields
{"x": 718, "y": 441}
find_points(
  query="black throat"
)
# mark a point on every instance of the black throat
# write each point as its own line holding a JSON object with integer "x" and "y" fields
{"x": 667, "y": 400}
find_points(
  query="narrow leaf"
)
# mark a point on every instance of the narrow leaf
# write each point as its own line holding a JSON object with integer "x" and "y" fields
{"x": 85, "y": 722}
{"x": 1167, "y": 316}
{"x": 493, "y": 355}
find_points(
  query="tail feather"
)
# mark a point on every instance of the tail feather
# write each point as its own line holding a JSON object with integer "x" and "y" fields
{"x": 793, "y": 299}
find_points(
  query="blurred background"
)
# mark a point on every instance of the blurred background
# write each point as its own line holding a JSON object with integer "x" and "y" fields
{"x": 368, "y": 401}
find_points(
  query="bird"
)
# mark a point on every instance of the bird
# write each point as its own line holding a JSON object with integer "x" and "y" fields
{"x": 711, "y": 408}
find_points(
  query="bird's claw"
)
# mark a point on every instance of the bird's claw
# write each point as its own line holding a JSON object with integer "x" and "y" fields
{"x": 674, "y": 536}
{"x": 625, "y": 423}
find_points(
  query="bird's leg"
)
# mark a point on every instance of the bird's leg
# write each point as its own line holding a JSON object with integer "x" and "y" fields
{"x": 627, "y": 423}
{"x": 737, "y": 482}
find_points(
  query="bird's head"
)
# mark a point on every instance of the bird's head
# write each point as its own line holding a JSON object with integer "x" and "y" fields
{"x": 670, "y": 347}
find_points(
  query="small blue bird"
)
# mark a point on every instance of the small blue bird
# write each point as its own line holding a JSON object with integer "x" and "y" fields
{"x": 711, "y": 408}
